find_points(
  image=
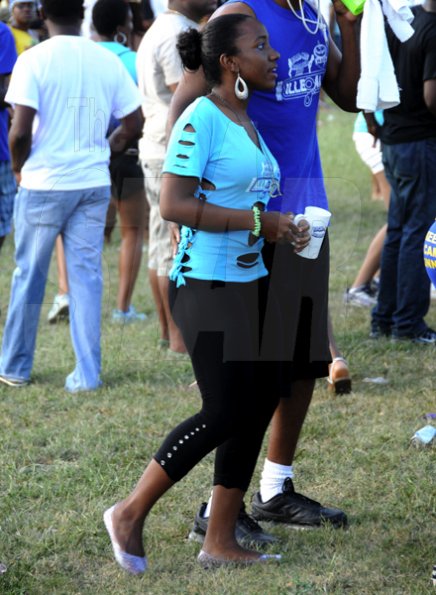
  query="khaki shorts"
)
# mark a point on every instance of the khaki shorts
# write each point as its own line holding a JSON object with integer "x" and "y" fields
{"x": 160, "y": 255}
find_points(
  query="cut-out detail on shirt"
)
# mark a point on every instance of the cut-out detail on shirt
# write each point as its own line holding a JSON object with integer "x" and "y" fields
{"x": 248, "y": 261}
{"x": 207, "y": 185}
{"x": 187, "y": 141}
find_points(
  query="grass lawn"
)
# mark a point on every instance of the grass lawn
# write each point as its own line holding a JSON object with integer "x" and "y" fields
{"x": 65, "y": 458}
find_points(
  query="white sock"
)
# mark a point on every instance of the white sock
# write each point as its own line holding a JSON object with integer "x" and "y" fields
{"x": 206, "y": 514}
{"x": 273, "y": 476}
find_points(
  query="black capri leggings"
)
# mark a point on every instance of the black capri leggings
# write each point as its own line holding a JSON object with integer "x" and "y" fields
{"x": 221, "y": 324}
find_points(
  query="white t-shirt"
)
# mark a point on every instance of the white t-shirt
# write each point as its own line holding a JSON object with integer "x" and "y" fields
{"x": 75, "y": 86}
{"x": 158, "y": 64}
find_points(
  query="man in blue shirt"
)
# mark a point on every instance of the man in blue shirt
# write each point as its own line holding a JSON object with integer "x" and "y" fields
{"x": 8, "y": 55}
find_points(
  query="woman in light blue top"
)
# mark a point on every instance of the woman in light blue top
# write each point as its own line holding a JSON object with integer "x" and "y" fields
{"x": 112, "y": 20}
{"x": 218, "y": 177}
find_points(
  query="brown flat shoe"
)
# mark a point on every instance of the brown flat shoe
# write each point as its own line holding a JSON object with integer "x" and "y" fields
{"x": 339, "y": 379}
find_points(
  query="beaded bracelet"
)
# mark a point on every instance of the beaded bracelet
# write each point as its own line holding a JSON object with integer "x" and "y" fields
{"x": 257, "y": 222}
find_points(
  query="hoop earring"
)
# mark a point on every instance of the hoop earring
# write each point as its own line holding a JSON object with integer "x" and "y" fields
{"x": 120, "y": 37}
{"x": 241, "y": 88}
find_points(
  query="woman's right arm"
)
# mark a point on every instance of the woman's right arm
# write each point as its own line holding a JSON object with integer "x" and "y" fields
{"x": 178, "y": 203}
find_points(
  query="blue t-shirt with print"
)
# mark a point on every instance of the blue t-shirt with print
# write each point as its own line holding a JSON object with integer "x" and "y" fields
{"x": 207, "y": 145}
{"x": 8, "y": 57}
{"x": 286, "y": 117}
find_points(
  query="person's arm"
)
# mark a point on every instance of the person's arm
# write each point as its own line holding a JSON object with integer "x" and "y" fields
{"x": 4, "y": 82}
{"x": 179, "y": 204}
{"x": 343, "y": 70}
{"x": 430, "y": 95}
{"x": 372, "y": 125}
{"x": 20, "y": 137}
{"x": 129, "y": 130}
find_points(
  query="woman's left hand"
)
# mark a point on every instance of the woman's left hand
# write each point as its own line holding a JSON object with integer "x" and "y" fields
{"x": 299, "y": 235}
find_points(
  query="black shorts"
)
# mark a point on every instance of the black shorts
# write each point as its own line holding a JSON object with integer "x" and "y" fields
{"x": 126, "y": 176}
{"x": 299, "y": 288}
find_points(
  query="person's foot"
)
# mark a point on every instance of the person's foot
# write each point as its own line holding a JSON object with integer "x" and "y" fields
{"x": 129, "y": 317}
{"x": 234, "y": 558}
{"x": 296, "y": 510}
{"x": 426, "y": 337}
{"x": 339, "y": 379}
{"x": 362, "y": 296}
{"x": 13, "y": 382}
{"x": 60, "y": 308}
{"x": 132, "y": 563}
{"x": 248, "y": 532}
{"x": 379, "y": 331}
{"x": 127, "y": 530}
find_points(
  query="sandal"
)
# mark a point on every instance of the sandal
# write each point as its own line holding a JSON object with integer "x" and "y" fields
{"x": 339, "y": 379}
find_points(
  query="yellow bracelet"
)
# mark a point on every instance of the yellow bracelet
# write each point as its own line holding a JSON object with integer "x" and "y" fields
{"x": 257, "y": 223}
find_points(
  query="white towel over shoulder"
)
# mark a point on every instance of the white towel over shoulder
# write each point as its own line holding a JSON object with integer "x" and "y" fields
{"x": 378, "y": 87}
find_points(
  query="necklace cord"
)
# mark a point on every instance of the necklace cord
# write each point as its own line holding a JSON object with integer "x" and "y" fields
{"x": 305, "y": 21}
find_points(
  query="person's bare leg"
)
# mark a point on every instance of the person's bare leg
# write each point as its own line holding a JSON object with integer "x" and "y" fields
{"x": 385, "y": 188}
{"x": 132, "y": 219}
{"x": 61, "y": 267}
{"x": 220, "y": 540}
{"x": 334, "y": 349}
{"x": 160, "y": 310}
{"x": 371, "y": 263}
{"x": 111, "y": 220}
{"x": 339, "y": 379}
{"x": 129, "y": 515}
{"x": 175, "y": 337}
{"x": 376, "y": 193}
{"x": 287, "y": 422}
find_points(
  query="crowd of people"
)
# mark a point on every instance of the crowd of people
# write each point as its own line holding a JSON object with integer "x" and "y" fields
{"x": 213, "y": 122}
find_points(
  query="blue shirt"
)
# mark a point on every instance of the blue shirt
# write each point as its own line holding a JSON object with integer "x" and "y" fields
{"x": 8, "y": 56}
{"x": 128, "y": 58}
{"x": 126, "y": 55}
{"x": 221, "y": 152}
{"x": 286, "y": 117}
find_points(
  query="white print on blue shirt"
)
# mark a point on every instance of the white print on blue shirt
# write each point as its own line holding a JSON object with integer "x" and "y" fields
{"x": 268, "y": 183}
{"x": 305, "y": 72}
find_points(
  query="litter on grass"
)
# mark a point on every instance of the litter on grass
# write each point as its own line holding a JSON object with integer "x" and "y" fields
{"x": 426, "y": 436}
{"x": 376, "y": 380}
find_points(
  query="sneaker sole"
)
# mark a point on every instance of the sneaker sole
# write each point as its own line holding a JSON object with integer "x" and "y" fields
{"x": 296, "y": 527}
{"x": 282, "y": 522}
{"x": 13, "y": 383}
{"x": 197, "y": 537}
{"x": 61, "y": 315}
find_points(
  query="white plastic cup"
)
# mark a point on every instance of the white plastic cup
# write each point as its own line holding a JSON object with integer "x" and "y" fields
{"x": 318, "y": 220}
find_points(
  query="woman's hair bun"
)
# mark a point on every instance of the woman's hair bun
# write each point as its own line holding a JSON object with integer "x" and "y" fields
{"x": 189, "y": 47}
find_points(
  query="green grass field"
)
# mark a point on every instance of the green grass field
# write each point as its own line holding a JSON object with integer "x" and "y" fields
{"x": 64, "y": 458}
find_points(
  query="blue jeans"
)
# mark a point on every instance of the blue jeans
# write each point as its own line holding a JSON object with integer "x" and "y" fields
{"x": 39, "y": 217}
{"x": 404, "y": 298}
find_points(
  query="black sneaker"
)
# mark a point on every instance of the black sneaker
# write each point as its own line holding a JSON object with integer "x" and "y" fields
{"x": 427, "y": 337}
{"x": 296, "y": 510}
{"x": 377, "y": 331}
{"x": 248, "y": 531}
